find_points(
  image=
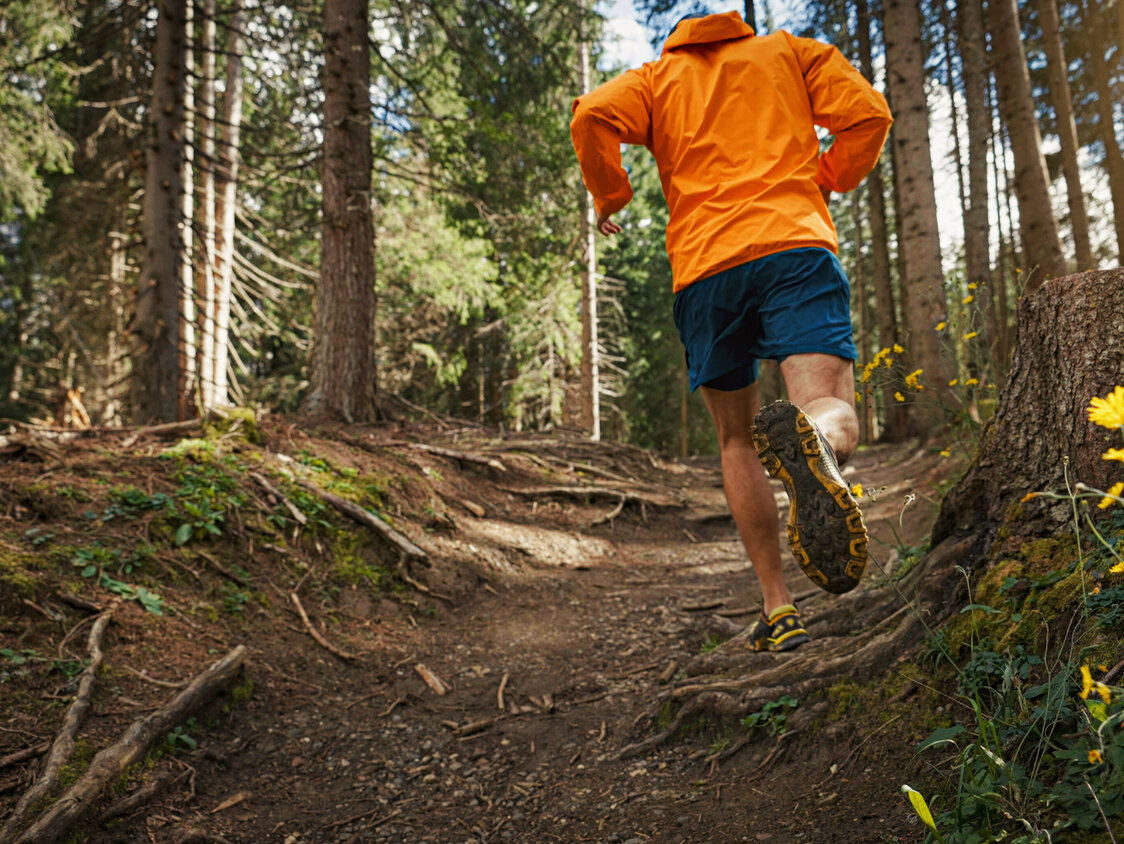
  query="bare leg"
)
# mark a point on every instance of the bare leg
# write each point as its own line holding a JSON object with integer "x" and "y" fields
{"x": 747, "y": 488}
{"x": 823, "y": 386}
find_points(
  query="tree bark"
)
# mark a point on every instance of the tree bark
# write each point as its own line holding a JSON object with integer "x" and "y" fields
{"x": 894, "y": 422}
{"x": 1114, "y": 161}
{"x": 228, "y": 172}
{"x": 155, "y": 330}
{"x": 187, "y": 372}
{"x": 919, "y": 239}
{"x": 1069, "y": 349}
{"x": 1036, "y": 216}
{"x": 591, "y": 375}
{"x": 206, "y": 366}
{"x": 1062, "y": 100}
{"x": 977, "y": 223}
{"x": 342, "y": 366}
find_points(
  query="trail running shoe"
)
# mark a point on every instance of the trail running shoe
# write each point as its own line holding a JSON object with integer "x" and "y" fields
{"x": 825, "y": 527}
{"x": 780, "y": 631}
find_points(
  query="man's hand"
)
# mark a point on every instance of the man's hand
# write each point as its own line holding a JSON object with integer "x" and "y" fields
{"x": 606, "y": 226}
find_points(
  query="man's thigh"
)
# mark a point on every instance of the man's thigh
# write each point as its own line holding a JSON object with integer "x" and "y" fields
{"x": 815, "y": 376}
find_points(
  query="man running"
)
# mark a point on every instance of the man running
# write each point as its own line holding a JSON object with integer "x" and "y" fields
{"x": 730, "y": 117}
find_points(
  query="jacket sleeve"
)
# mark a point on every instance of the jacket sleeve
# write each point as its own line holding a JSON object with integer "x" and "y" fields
{"x": 845, "y": 104}
{"x": 620, "y": 111}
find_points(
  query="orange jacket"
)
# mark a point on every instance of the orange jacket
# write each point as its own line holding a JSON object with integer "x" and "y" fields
{"x": 730, "y": 116}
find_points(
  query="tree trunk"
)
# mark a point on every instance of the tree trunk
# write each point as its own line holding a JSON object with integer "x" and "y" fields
{"x": 1114, "y": 162}
{"x": 207, "y": 166}
{"x": 860, "y": 308}
{"x": 342, "y": 361}
{"x": 228, "y": 172}
{"x": 187, "y": 372}
{"x": 919, "y": 239}
{"x": 591, "y": 374}
{"x": 894, "y": 422}
{"x": 977, "y": 248}
{"x": 155, "y": 327}
{"x": 1062, "y": 99}
{"x": 750, "y": 14}
{"x": 1036, "y": 216}
{"x": 1069, "y": 349}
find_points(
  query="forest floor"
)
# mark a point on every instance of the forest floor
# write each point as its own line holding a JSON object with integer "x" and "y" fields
{"x": 552, "y": 638}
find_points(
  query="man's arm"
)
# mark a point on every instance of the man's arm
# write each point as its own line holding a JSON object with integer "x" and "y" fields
{"x": 845, "y": 104}
{"x": 620, "y": 111}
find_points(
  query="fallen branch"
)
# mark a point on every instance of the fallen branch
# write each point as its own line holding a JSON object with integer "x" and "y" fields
{"x": 612, "y": 514}
{"x": 369, "y": 520}
{"x": 298, "y": 516}
{"x": 314, "y": 633}
{"x": 58, "y": 821}
{"x": 63, "y": 746}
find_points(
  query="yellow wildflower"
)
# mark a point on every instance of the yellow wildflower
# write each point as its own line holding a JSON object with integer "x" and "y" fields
{"x": 973, "y": 285}
{"x": 967, "y": 300}
{"x": 1114, "y": 493}
{"x": 898, "y": 349}
{"x": 857, "y": 490}
{"x": 899, "y": 396}
{"x": 970, "y": 335}
{"x": 1086, "y": 682}
{"x": 945, "y": 453}
{"x": 1114, "y": 454}
{"x": 1095, "y": 757}
{"x": 887, "y": 361}
{"x": 941, "y": 325}
{"x": 971, "y": 382}
{"x": 954, "y": 382}
{"x": 858, "y": 397}
{"x": 866, "y": 373}
{"x": 1117, "y": 569}
{"x": 911, "y": 379}
{"x": 1108, "y": 411}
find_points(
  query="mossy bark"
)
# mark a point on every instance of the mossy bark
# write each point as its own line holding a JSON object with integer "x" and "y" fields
{"x": 1069, "y": 348}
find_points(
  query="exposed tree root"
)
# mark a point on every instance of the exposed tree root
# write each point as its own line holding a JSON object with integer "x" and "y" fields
{"x": 734, "y": 680}
{"x": 369, "y": 520}
{"x": 579, "y": 491}
{"x": 63, "y": 746}
{"x": 314, "y": 633}
{"x": 57, "y": 822}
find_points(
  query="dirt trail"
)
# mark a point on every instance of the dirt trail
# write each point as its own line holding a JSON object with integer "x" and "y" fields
{"x": 581, "y": 635}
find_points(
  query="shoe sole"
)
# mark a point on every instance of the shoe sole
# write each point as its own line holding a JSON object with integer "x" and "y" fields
{"x": 825, "y": 526}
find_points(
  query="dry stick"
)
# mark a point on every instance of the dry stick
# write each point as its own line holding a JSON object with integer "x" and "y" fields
{"x": 23, "y": 755}
{"x": 63, "y": 746}
{"x": 223, "y": 570}
{"x": 324, "y": 643}
{"x": 59, "y": 820}
{"x": 370, "y": 520}
{"x": 299, "y": 517}
{"x": 580, "y": 491}
{"x": 499, "y": 692}
{"x": 165, "y": 683}
{"x": 138, "y": 798}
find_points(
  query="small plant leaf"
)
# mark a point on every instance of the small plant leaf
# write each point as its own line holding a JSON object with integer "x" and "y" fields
{"x": 183, "y": 533}
{"x": 921, "y": 807}
{"x": 944, "y": 735}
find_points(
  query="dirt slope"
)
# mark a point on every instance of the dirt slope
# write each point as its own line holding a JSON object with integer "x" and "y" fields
{"x": 583, "y": 626}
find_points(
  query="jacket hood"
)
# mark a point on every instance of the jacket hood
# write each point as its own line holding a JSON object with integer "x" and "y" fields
{"x": 712, "y": 28}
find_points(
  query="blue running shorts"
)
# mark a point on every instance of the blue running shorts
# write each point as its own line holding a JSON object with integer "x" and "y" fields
{"x": 788, "y": 303}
